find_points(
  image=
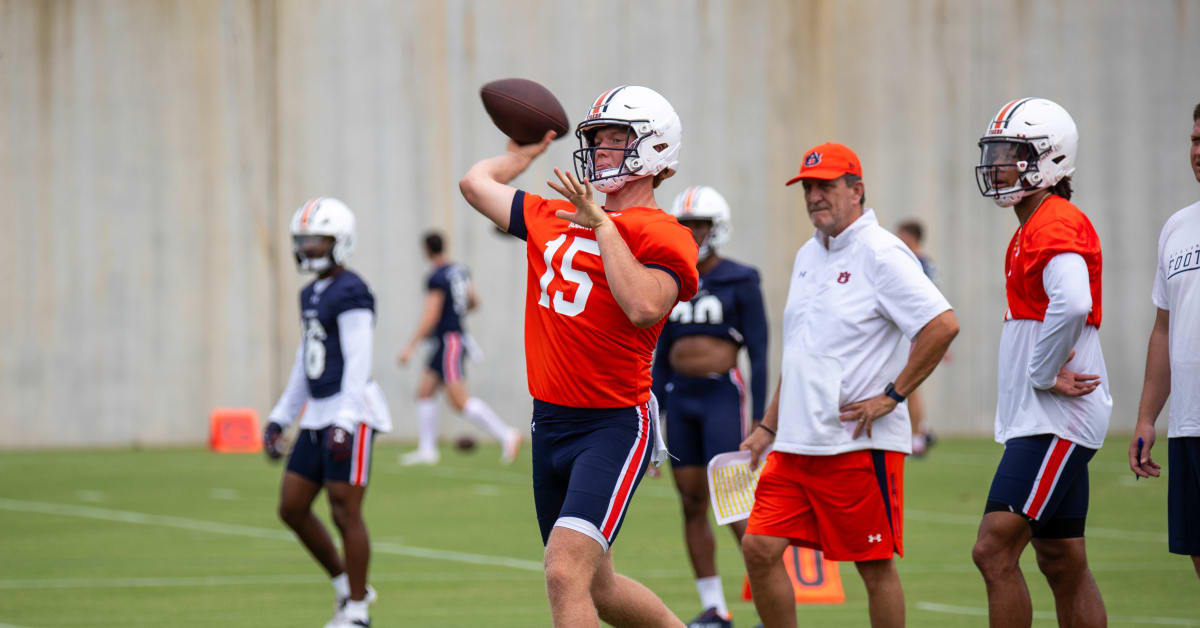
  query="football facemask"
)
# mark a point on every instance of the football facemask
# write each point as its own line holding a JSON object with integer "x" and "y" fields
{"x": 313, "y": 253}
{"x": 622, "y": 164}
{"x": 1008, "y": 169}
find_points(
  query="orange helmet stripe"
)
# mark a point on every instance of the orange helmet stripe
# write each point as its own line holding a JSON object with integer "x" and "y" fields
{"x": 1008, "y": 110}
{"x": 308, "y": 207}
{"x": 687, "y": 199}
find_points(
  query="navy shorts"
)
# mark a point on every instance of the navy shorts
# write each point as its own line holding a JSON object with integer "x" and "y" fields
{"x": 1045, "y": 479}
{"x": 447, "y": 356}
{"x": 331, "y": 454}
{"x": 705, "y": 416}
{"x": 1183, "y": 495}
{"x": 587, "y": 463}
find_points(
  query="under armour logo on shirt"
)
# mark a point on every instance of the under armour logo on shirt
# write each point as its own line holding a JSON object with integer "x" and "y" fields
{"x": 874, "y": 538}
{"x": 844, "y": 276}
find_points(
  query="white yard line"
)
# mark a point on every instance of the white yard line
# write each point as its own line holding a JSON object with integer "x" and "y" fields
{"x": 218, "y": 581}
{"x": 928, "y": 516}
{"x": 1121, "y": 619}
{"x": 216, "y": 527}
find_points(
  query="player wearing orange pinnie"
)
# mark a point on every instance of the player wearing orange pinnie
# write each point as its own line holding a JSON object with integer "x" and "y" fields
{"x": 601, "y": 281}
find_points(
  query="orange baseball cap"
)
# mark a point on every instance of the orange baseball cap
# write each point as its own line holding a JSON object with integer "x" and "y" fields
{"x": 828, "y": 161}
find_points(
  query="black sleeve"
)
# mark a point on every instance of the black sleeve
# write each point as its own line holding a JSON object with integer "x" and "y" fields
{"x": 516, "y": 216}
{"x": 754, "y": 332}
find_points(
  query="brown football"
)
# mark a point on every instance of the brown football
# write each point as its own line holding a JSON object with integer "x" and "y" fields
{"x": 523, "y": 109}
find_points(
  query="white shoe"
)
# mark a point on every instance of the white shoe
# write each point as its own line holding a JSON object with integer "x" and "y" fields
{"x": 512, "y": 447}
{"x": 340, "y": 620}
{"x": 419, "y": 457}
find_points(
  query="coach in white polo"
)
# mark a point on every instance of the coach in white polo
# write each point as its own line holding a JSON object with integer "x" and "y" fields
{"x": 1173, "y": 369}
{"x": 834, "y": 481}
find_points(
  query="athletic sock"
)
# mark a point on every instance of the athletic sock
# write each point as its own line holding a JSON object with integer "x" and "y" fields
{"x": 427, "y": 425}
{"x": 712, "y": 595}
{"x": 481, "y": 415}
{"x": 341, "y": 586}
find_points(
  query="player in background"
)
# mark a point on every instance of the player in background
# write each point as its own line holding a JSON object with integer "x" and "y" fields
{"x": 449, "y": 295}
{"x": 342, "y": 406}
{"x": 1173, "y": 370}
{"x": 699, "y": 386}
{"x": 1053, "y": 402}
{"x": 912, "y": 234}
{"x": 601, "y": 281}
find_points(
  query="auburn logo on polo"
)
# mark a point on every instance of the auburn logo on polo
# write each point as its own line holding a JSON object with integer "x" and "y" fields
{"x": 844, "y": 276}
{"x": 813, "y": 159}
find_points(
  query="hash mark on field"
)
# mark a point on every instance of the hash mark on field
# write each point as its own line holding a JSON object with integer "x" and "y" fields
{"x": 216, "y": 527}
{"x": 224, "y": 493}
{"x": 89, "y": 496}
{"x": 487, "y": 490}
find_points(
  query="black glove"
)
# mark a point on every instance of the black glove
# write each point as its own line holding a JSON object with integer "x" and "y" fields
{"x": 271, "y": 440}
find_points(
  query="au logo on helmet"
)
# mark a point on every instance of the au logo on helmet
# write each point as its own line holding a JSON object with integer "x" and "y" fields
{"x": 813, "y": 159}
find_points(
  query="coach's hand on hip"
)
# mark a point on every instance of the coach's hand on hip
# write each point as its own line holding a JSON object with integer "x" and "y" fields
{"x": 864, "y": 412}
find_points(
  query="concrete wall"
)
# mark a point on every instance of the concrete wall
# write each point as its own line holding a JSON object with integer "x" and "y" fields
{"x": 152, "y": 152}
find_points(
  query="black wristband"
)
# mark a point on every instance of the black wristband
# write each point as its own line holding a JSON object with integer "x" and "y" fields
{"x": 769, "y": 430}
{"x": 891, "y": 392}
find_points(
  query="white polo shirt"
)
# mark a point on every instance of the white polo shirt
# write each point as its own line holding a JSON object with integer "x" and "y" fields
{"x": 1177, "y": 290}
{"x": 849, "y": 310}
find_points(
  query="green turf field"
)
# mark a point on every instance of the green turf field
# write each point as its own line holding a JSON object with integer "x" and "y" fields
{"x": 189, "y": 538}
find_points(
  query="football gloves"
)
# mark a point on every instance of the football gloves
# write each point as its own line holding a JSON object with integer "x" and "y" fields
{"x": 271, "y": 440}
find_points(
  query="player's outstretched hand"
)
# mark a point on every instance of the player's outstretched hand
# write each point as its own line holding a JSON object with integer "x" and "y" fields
{"x": 1072, "y": 384}
{"x": 531, "y": 151}
{"x": 864, "y": 413}
{"x": 1140, "y": 461}
{"x": 756, "y": 443}
{"x": 404, "y": 356}
{"x": 588, "y": 212}
{"x": 271, "y": 440}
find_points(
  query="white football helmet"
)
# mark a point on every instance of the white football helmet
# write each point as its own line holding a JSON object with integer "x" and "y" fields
{"x": 323, "y": 216}
{"x": 1033, "y": 135}
{"x": 705, "y": 203}
{"x": 653, "y": 141}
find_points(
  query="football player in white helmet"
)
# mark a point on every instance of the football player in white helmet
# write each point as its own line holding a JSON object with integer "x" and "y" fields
{"x": 698, "y": 383}
{"x": 601, "y": 281}
{"x": 343, "y": 407}
{"x": 1053, "y": 404}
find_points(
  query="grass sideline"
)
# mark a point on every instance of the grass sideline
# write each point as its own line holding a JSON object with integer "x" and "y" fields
{"x": 185, "y": 537}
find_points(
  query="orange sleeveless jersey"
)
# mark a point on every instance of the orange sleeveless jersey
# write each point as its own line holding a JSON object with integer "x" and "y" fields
{"x": 1056, "y": 227}
{"x": 581, "y": 350}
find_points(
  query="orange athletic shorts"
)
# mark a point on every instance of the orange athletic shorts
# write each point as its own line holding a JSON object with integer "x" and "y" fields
{"x": 850, "y": 505}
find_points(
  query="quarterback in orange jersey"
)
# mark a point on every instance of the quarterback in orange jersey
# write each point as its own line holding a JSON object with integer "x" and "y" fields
{"x": 1051, "y": 414}
{"x": 601, "y": 281}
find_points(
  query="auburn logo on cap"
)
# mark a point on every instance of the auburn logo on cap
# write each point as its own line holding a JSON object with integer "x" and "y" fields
{"x": 813, "y": 159}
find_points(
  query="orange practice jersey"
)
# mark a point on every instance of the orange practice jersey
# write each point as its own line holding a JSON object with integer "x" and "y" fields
{"x": 581, "y": 350}
{"x": 1056, "y": 227}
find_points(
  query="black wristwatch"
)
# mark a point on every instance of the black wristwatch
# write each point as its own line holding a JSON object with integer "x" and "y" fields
{"x": 891, "y": 392}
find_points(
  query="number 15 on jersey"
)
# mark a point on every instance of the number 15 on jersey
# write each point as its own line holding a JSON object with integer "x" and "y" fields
{"x": 561, "y": 305}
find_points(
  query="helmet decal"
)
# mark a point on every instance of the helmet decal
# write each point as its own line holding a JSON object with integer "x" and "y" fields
{"x": 1006, "y": 115}
{"x": 601, "y": 104}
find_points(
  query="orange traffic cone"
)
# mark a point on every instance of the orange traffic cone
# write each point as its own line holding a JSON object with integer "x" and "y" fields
{"x": 234, "y": 430}
{"x": 815, "y": 579}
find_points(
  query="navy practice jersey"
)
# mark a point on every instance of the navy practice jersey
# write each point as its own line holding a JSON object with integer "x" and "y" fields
{"x": 320, "y": 305}
{"x": 728, "y": 305}
{"x": 453, "y": 281}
